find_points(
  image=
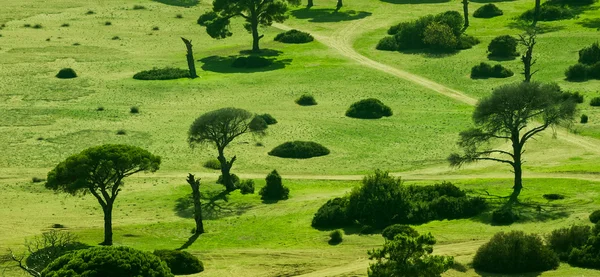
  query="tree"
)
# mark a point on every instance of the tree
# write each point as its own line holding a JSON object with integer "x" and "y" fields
{"x": 100, "y": 171}
{"x": 528, "y": 40}
{"x": 536, "y": 15}
{"x": 221, "y": 127}
{"x": 255, "y": 12}
{"x": 466, "y": 12}
{"x": 512, "y": 113}
{"x": 408, "y": 256}
{"x": 195, "y": 184}
{"x": 190, "y": 58}
{"x": 274, "y": 188}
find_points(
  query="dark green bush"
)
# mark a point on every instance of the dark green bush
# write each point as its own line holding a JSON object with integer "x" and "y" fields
{"x": 107, "y": 23}
{"x": 563, "y": 240}
{"x": 588, "y": 255}
{"x": 246, "y": 187}
{"x": 212, "y": 164}
{"x": 595, "y": 216}
{"x": 553, "y": 196}
{"x": 453, "y": 19}
{"x": 258, "y": 123}
{"x": 390, "y": 232}
{"x": 595, "y": 102}
{"x": 590, "y": 55}
{"x": 370, "y": 108}
{"x": 121, "y": 132}
{"x": 180, "y": 262}
{"x": 575, "y": 96}
{"x": 306, "y": 100}
{"x": 578, "y": 72}
{"x": 594, "y": 71}
{"x": 65, "y": 25}
{"x": 503, "y": 46}
{"x": 488, "y": 11}
{"x": 251, "y": 62}
{"x": 134, "y": 110}
{"x": 515, "y": 252}
{"x": 466, "y": 42}
{"x": 439, "y": 36}
{"x": 336, "y": 237}
{"x": 367, "y": 230}
{"x": 90, "y": 12}
{"x": 387, "y": 44}
{"x": 167, "y": 73}
{"x": 269, "y": 119}
{"x": 299, "y": 150}
{"x": 274, "y": 189}
{"x": 584, "y": 119}
{"x": 332, "y": 214}
{"x": 503, "y": 216}
{"x": 138, "y": 7}
{"x": 549, "y": 12}
{"x": 66, "y": 73}
{"x": 234, "y": 178}
{"x": 485, "y": 70}
{"x": 294, "y": 36}
{"x": 37, "y": 180}
{"x": 107, "y": 261}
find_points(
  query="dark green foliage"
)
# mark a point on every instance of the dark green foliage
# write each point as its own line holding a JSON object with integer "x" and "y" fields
{"x": 251, "y": 62}
{"x": 594, "y": 71}
{"x": 65, "y": 25}
{"x": 116, "y": 38}
{"x": 390, "y": 232}
{"x": 504, "y": 216}
{"x": 100, "y": 109}
{"x": 107, "y": 261}
{"x": 43, "y": 250}
{"x": 234, "y": 178}
{"x": 246, "y": 186}
{"x": 595, "y": 102}
{"x": 575, "y": 96}
{"x": 485, "y": 70}
{"x": 563, "y": 240}
{"x": 180, "y": 262}
{"x": 439, "y": 36}
{"x": 299, "y": 150}
{"x": 408, "y": 256}
{"x": 121, "y": 132}
{"x": 571, "y": 2}
{"x": 367, "y": 230}
{"x": 66, "y": 73}
{"x": 553, "y": 196}
{"x": 453, "y": 19}
{"x": 503, "y": 46}
{"x": 134, "y": 110}
{"x": 577, "y": 72}
{"x": 332, "y": 214}
{"x": 590, "y": 55}
{"x": 588, "y": 255}
{"x": 37, "y": 26}
{"x": 27, "y": 25}
{"x": 595, "y": 216}
{"x": 370, "y": 108}
{"x": 488, "y": 11}
{"x": 294, "y": 36}
{"x": 269, "y": 119}
{"x": 138, "y": 7}
{"x": 466, "y": 42}
{"x": 336, "y": 237}
{"x": 206, "y": 18}
{"x": 155, "y": 28}
{"x": 258, "y": 123}
{"x": 167, "y": 73}
{"x": 306, "y": 100}
{"x": 387, "y": 44}
{"x": 549, "y": 12}
{"x": 515, "y": 252}
{"x": 107, "y": 23}
{"x": 90, "y": 12}
{"x": 179, "y": 16}
{"x": 584, "y": 119}
{"x": 212, "y": 164}
{"x": 37, "y": 180}
{"x": 274, "y": 189}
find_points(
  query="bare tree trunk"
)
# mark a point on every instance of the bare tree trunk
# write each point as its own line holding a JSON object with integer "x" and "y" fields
{"x": 310, "y": 4}
{"x": 226, "y": 171}
{"x": 536, "y": 15}
{"x": 517, "y": 168}
{"x": 190, "y": 58}
{"x": 255, "y": 37}
{"x": 466, "y": 12}
{"x": 339, "y": 5}
{"x": 195, "y": 184}
{"x": 528, "y": 40}
{"x": 108, "y": 233}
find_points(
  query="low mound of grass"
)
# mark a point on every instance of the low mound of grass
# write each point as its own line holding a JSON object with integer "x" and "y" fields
{"x": 66, "y": 73}
{"x": 370, "y": 108}
{"x": 299, "y": 150}
{"x": 167, "y": 73}
{"x": 294, "y": 36}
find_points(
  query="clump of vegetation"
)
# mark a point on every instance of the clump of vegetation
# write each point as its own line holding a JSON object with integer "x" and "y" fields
{"x": 575, "y": 96}
{"x": 121, "y": 132}
{"x": 299, "y": 150}
{"x": 234, "y": 179}
{"x": 550, "y": 12}
{"x": 26, "y": 25}
{"x": 90, "y": 12}
{"x": 139, "y": 7}
{"x": 179, "y": 16}
{"x": 134, "y": 110}
{"x": 212, "y": 164}
{"x": 595, "y": 102}
{"x": 485, "y": 70}
{"x": 65, "y": 25}
{"x": 100, "y": 109}
{"x": 390, "y": 232}
{"x": 180, "y": 262}
{"x": 108, "y": 261}
{"x": 367, "y": 230}
{"x": 206, "y": 18}
{"x": 336, "y": 237}
{"x": 577, "y": 72}
{"x": 595, "y": 216}
{"x": 246, "y": 186}
{"x": 269, "y": 119}
{"x": 588, "y": 66}
{"x": 588, "y": 255}
{"x": 488, "y": 11}
{"x": 107, "y": 23}
{"x": 563, "y": 240}
{"x": 251, "y": 62}
{"x": 584, "y": 119}
{"x": 306, "y": 100}
{"x": 370, "y": 108}
{"x": 66, "y": 73}
{"x": 274, "y": 189}
{"x": 332, "y": 214}
{"x": 294, "y": 36}
{"x": 553, "y": 196}
{"x": 590, "y": 55}
{"x": 37, "y": 180}
{"x": 258, "y": 123}
{"x": 37, "y": 26}
{"x": 504, "y": 216}
{"x": 503, "y": 46}
{"x": 116, "y": 38}
{"x": 167, "y": 73}
{"x": 155, "y": 28}
{"x": 515, "y": 252}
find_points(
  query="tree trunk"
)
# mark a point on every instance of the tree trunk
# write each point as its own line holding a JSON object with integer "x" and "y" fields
{"x": 226, "y": 171}
{"x": 255, "y": 36}
{"x": 108, "y": 224}
{"x": 190, "y": 58}
{"x": 518, "y": 182}
{"x": 527, "y": 64}
{"x": 466, "y": 12}
{"x": 339, "y": 5}
{"x": 536, "y": 15}
{"x": 195, "y": 184}
{"x": 310, "y": 4}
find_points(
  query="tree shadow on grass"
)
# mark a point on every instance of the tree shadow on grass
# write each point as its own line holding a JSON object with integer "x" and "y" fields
{"x": 189, "y": 242}
{"x": 590, "y": 23}
{"x": 541, "y": 27}
{"x": 214, "y": 205}
{"x": 415, "y": 1}
{"x": 490, "y": 1}
{"x": 501, "y": 59}
{"x": 527, "y": 211}
{"x": 179, "y": 3}
{"x": 328, "y": 15}
{"x": 222, "y": 64}
{"x": 262, "y": 53}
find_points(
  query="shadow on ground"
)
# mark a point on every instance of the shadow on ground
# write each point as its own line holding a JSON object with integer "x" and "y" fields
{"x": 590, "y": 23}
{"x": 328, "y": 15}
{"x": 223, "y": 64}
{"x": 179, "y": 3}
{"x": 542, "y": 28}
{"x": 415, "y": 1}
{"x": 490, "y": 1}
{"x": 214, "y": 205}
{"x": 528, "y": 211}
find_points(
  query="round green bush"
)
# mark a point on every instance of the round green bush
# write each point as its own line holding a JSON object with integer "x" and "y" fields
{"x": 467, "y": 42}
{"x": 503, "y": 216}
{"x": 578, "y": 72}
{"x": 595, "y": 102}
{"x": 66, "y": 73}
{"x": 234, "y": 178}
{"x": 306, "y": 100}
{"x": 246, "y": 187}
{"x": 563, "y": 240}
{"x": 387, "y": 44}
{"x": 180, "y": 262}
{"x": 370, "y": 108}
{"x": 515, "y": 252}
{"x": 595, "y": 217}
{"x": 390, "y": 232}
{"x": 332, "y": 214}
{"x": 258, "y": 123}
{"x": 503, "y": 46}
{"x": 440, "y": 36}
{"x": 107, "y": 261}
{"x": 594, "y": 71}
{"x": 488, "y": 11}
{"x": 274, "y": 189}
{"x": 336, "y": 237}
{"x": 549, "y": 12}
{"x": 251, "y": 62}
{"x": 167, "y": 73}
{"x": 269, "y": 119}
{"x": 485, "y": 70}
{"x": 584, "y": 119}
{"x": 590, "y": 55}
{"x": 299, "y": 150}
{"x": 212, "y": 164}
{"x": 294, "y": 36}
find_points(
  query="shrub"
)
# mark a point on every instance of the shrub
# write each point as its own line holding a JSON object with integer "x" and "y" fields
{"x": 107, "y": 261}
{"x": 336, "y": 236}
{"x": 439, "y": 36}
{"x": 299, "y": 150}
{"x": 116, "y": 38}
{"x": 138, "y": 7}
{"x": 387, "y": 44}
{"x": 549, "y": 12}
{"x": 121, "y": 132}
{"x": 246, "y": 187}
{"x": 100, "y": 109}
{"x": 258, "y": 123}
{"x": 575, "y": 96}
{"x": 503, "y": 216}
{"x": 452, "y": 19}
{"x": 269, "y": 119}
{"x": 134, "y": 109}
{"x": 370, "y": 108}
{"x": 155, "y": 28}
{"x": 553, "y": 196}
{"x": 466, "y": 41}
{"x": 274, "y": 189}
{"x": 294, "y": 36}
{"x": 584, "y": 119}
{"x": 212, "y": 164}
{"x": 66, "y": 73}
{"x": 179, "y": 15}
{"x": 563, "y": 240}
{"x": 44, "y": 249}
{"x": 578, "y": 72}
{"x": 594, "y": 71}
{"x": 332, "y": 214}
{"x": 234, "y": 178}
{"x": 167, "y": 73}
{"x": 306, "y": 100}
{"x": 65, "y": 25}
{"x": 595, "y": 102}
{"x": 488, "y": 11}
{"x": 90, "y": 12}
{"x": 503, "y": 46}
{"x": 205, "y": 18}
{"x": 180, "y": 262}
{"x": 595, "y": 216}
{"x": 367, "y": 230}
{"x": 515, "y": 252}
{"x": 251, "y": 62}
{"x": 590, "y": 55}
{"x": 37, "y": 26}
{"x": 37, "y": 180}
{"x": 390, "y": 232}
{"x": 485, "y": 70}
{"x": 588, "y": 255}
{"x": 107, "y": 23}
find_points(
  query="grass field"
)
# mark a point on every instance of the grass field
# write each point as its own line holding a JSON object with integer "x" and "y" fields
{"x": 43, "y": 120}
